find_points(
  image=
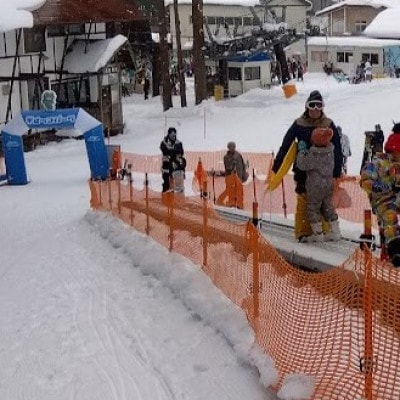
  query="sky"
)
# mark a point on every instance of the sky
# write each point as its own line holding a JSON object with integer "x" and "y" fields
{"x": 92, "y": 310}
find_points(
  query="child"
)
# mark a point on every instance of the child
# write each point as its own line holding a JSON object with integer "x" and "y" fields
{"x": 380, "y": 178}
{"x": 319, "y": 162}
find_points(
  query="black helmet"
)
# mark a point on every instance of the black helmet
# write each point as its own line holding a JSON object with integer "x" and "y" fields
{"x": 171, "y": 129}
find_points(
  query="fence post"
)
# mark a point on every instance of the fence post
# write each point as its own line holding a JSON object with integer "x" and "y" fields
{"x": 131, "y": 197}
{"x": 256, "y": 270}
{"x": 368, "y": 363}
{"x": 100, "y": 196}
{"x": 119, "y": 195}
{"x": 146, "y": 186}
{"x": 205, "y": 221}
{"x": 170, "y": 203}
{"x": 109, "y": 192}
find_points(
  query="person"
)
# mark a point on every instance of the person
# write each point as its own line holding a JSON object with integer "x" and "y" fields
{"x": 234, "y": 163}
{"x": 235, "y": 174}
{"x": 146, "y": 87}
{"x": 318, "y": 162}
{"x": 373, "y": 144}
{"x": 301, "y": 129}
{"x": 380, "y": 179}
{"x": 172, "y": 158}
{"x": 346, "y": 150}
{"x": 368, "y": 71}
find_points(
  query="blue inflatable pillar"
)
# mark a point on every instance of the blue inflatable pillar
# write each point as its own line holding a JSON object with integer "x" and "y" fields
{"x": 97, "y": 152}
{"x": 65, "y": 118}
{"x": 13, "y": 148}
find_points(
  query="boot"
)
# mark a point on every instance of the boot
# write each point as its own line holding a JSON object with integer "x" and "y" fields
{"x": 393, "y": 249}
{"x": 333, "y": 235}
{"x": 317, "y": 235}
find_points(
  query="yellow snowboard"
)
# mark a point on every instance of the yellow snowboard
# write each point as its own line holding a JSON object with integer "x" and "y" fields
{"x": 275, "y": 179}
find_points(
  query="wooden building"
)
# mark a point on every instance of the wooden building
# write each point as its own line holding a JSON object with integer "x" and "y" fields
{"x": 77, "y": 49}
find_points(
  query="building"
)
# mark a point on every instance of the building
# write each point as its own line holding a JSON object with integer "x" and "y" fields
{"x": 76, "y": 49}
{"x": 351, "y": 17}
{"x": 345, "y": 53}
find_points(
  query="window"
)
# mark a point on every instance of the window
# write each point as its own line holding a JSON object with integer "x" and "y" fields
{"x": 229, "y": 20}
{"x": 235, "y": 74}
{"x": 372, "y": 57}
{"x": 238, "y": 21}
{"x": 248, "y": 21}
{"x": 319, "y": 56}
{"x": 344, "y": 57}
{"x": 34, "y": 40}
{"x": 360, "y": 26}
{"x": 211, "y": 20}
{"x": 251, "y": 73}
{"x": 61, "y": 30}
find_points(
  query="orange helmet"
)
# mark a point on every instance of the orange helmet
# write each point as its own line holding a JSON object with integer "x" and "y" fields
{"x": 321, "y": 137}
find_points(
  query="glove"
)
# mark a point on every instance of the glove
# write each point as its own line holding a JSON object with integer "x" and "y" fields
{"x": 380, "y": 187}
{"x": 302, "y": 146}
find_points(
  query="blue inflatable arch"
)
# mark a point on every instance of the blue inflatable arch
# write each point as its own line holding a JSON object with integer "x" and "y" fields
{"x": 68, "y": 118}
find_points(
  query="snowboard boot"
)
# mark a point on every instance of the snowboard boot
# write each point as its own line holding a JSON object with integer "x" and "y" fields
{"x": 317, "y": 235}
{"x": 393, "y": 250}
{"x": 333, "y": 235}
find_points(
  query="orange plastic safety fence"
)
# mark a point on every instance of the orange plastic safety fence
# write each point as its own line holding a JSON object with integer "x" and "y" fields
{"x": 341, "y": 326}
{"x": 269, "y": 202}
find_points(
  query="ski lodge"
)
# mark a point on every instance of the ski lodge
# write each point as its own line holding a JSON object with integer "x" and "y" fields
{"x": 77, "y": 50}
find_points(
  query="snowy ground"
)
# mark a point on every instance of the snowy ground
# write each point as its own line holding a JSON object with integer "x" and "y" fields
{"x": 94, "y": 316}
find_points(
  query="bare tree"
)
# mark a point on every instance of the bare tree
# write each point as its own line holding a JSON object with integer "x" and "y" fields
{"x": 181, "y": 72}
{"x": 200, "y": 77}
{"x": 164, "y": 57}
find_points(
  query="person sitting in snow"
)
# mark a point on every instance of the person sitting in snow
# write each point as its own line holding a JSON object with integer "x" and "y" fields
{"x": 172, "y": 157}
{"x": 380, "y": 178}
{"x": 319, "y": 161}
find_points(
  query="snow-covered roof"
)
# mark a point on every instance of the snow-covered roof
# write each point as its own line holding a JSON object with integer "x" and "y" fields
{"x": 92, "y": 56}
{"x": 17, "y": 13}
{"x": 354, "y": 41}
{"x": 385, "y": 25}
{"x": 367, "y": 3}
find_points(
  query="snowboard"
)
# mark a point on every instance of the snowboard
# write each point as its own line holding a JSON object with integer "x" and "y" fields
{"x": 274, "y": 180}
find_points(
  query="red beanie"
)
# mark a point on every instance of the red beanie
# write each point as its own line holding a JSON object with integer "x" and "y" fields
{"x": 393, "y": 143}
{"x": 320, "y": 137}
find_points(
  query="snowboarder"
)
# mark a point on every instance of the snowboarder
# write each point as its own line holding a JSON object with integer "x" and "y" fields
{"x": 301, "y": 129}
{"x": 318, "y": 161}
{"x": 380, "y": 178}
{"x": 346, "y": 150}
{"x": 173, "y": 162}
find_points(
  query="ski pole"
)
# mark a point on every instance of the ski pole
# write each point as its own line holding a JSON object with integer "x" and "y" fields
{"x": 284, "y": 205}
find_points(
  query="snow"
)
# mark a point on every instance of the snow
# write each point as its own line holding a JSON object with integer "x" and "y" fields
{"x": 385, "y": 24}
{"x": 16, "y": 13}
{"x": 356, "y": 41}
{"x": 93, "y": 310}
{"x": 93, "y": 55}
{"x": 367, "y": 3}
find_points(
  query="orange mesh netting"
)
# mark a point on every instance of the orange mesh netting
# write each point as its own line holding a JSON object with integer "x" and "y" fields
{"x": 341, "y": 326}
{"x": 280, "y": 201}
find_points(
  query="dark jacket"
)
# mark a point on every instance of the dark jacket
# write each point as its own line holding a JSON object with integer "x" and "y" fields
{"x": 301, "y": 129}
{"x": 234, "y": 163}
{"x": 172, "y": 156}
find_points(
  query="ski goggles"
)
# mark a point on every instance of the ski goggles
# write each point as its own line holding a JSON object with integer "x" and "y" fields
{"x": 315, "y": 105}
